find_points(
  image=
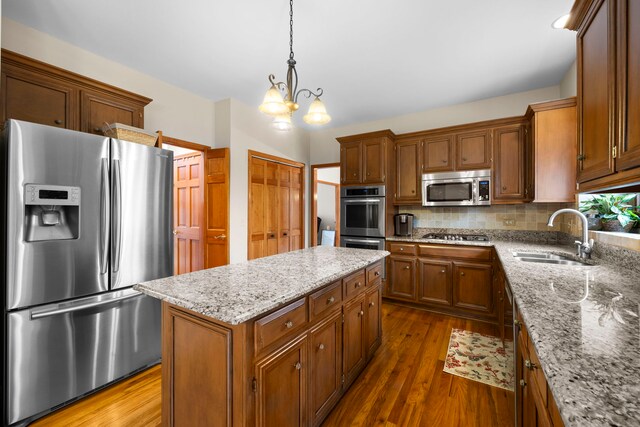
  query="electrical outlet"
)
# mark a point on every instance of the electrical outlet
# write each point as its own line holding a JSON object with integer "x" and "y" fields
{"x": 509, "y": 222}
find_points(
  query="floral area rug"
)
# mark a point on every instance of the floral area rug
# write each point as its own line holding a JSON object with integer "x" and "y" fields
{"x": 480, "y": 358}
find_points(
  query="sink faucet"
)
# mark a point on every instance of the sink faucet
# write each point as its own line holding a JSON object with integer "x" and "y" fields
{"x": 586, "y": 246}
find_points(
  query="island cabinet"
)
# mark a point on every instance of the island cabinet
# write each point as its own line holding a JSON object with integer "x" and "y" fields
{"x": 451, "y": 279}
{"x": 366, "y": 158}
{"x": 287, "y": 367}
{"x": 40, "y": 93}
{"x": 608, "y": 58}
{"x": 535, "y": 404}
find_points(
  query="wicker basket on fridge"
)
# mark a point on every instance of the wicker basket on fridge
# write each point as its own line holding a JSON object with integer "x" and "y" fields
{"x": 130, "y": 133}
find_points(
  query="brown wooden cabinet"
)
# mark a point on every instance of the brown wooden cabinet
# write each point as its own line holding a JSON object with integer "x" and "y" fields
{"x": 325, "y": 361}
{"x": 41, "y": 93}
{"x": 408, "y": 178}
{"x": 373, "y": 320}
{"x": 451, "y": 279}
{"x": 401, "y": 282}
{"x": 608, "y": 59}
{"x": 366, "y": 158}
{"x": 472, "y": 287}
{"x": 435, "y": 282}
{"x": 282, "y": 386}
{"x": 509, "y": 165}
{"x": 473, "y": 150}
{"x": 437, "y": 154}
{"x": 552, "y": 151}
{"x": 287, "y": 367}
{"x": 535, "y": 404}
{"x": 354, "y": 338}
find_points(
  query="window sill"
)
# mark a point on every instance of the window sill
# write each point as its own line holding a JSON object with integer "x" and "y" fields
{"x": 624, "y": 240}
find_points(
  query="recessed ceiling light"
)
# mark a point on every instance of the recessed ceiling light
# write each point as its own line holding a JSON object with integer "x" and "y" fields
{"x": 561, "y": 22}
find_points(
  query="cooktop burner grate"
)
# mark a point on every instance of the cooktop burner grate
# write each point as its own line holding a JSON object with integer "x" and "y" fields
{"x": 459, "y": 237}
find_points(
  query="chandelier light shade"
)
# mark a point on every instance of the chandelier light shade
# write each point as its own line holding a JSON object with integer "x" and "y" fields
{"x": 283, "y": 107}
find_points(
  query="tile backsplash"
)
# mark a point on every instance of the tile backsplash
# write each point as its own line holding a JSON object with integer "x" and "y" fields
{"x": 530, "y": 216}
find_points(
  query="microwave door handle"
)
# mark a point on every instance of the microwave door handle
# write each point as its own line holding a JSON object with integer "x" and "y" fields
{"x": 104, "y": 216}
{"x": 474, "y": 195}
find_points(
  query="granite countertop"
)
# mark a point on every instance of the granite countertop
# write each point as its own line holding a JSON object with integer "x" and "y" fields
{"x": 236, "y": 293}
{"x": 584, "y": 323}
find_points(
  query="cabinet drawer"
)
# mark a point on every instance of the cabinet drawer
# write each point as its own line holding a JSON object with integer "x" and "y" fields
{"x": 374, "y": 274}
{"x": 402, "y": 248}
{"x": 354, "y": 284}
{"x": 279, "y": 323}
{"x": 455, "y": 251}
{"x": 325, "y": 299}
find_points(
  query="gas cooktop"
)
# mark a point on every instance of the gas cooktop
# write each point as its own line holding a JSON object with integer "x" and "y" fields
{"x": 459, "y": 237}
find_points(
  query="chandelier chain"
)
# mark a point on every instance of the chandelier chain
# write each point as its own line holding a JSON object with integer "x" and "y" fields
{"x": 290, "y": 29}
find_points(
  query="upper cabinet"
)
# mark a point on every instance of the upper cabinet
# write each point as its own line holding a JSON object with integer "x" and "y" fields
{"x": 608, "y": 47}
{"x": 552, "y": 151}
{"x": 366, "y": 159}
{"x": 509, "y": 164}
{"x": 41, "y": 93}
{"x": 408, "y": 177}
{"x": 437, "y": 154}
{"x": 473, "y": 150}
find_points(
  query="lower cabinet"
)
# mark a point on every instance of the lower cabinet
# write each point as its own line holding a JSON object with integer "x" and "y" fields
{"x": 402, "y": 274}
{"x": 325, "y": 361}
{"x": 451, "y": 279}
{"x": 472, "y": 287}
{"x": 535, "y": 404}
{"x": 282, "y": 386}
{"x": 288, "y": 367}
{"x": 354, "y": 336}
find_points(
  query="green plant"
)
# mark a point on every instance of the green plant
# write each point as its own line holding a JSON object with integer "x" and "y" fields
{"x": 611, "y": 207}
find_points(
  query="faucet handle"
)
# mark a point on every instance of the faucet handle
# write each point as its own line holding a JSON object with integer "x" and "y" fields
{"x": 578, "y": 244}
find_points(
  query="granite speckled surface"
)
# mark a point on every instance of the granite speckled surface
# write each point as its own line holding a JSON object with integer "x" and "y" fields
{"x": 236, "y": 293}
{"x": 584, "y": 323}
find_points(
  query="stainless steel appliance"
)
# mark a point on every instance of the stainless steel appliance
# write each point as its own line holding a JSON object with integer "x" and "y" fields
{"x": 362, "y": 243}
{"x": 84, "y": 218}
{"x": 458, "y": 237}
{"x": 464, "y": 188}
{"x": 362, "y": 211}
{"x": 403, "y": 224}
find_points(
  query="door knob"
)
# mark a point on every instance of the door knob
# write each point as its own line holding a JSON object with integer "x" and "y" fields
{"x": 298, "y": 366}
{"x": 289, "y": 324}
{"x": 175, "y": 232}
{"x": 221, "y": 236}
{"x": 361, "y": 313}
{"x": 330, "y": 300}
{"x": 57, "y": 121}
{"x": 321, "y": 347}
{"x": 371, "y": 304}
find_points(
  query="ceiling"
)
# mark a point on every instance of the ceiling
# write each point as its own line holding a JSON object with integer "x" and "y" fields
{"x": 373, "y": 58}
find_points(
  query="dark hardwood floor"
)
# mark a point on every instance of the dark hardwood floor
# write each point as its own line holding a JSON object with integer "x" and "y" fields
{"x": 404, "y": 385}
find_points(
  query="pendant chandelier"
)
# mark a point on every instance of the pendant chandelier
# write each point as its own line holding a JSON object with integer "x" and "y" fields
{"x": 283, "y": 107}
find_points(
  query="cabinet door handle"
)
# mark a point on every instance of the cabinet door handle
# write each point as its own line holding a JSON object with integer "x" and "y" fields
{"x": 504, "y": 188}
{"x": 443, "y": 271}
{"x": 354, "y": 174}
{"x": 330, "y": 300}
{"x": 402, "y": 249}
{"x": 285, "y": 234}
{"x": 57, "y": 121}
{"x": 358, "y": 284}
{"x": 289, "y": 324}
{"x": 530, "y": 365}
{"x": 377, "y": 273}
{"x": 464, "y": 159}
{"x": 321, "y": 346}
{"x": 406, "y": 267}
{"x": 298, "y": 366}
{"x": 368, "y": 173}
{"x": 413, "y": 191}
{"x": 462, "y": 273}
{"x": 361, "y": 313}
{"x": 371, "y": 304}
{"x": 523, "y": 383}
{"x": 96, "y": 129}
{"x": 444, "y": 161}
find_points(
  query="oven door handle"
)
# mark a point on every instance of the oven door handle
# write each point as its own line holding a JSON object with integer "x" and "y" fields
{"x": 350, "y": 240}
{"x": 361, "y": 200}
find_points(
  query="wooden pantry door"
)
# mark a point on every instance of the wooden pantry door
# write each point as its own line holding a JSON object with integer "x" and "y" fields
{"x": 276, "y": 205}
{"x": 187, "y": 215}
{"x": 216, "y": 170}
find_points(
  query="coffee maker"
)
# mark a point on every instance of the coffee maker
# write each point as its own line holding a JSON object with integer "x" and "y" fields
{"x": 403, "y": 224}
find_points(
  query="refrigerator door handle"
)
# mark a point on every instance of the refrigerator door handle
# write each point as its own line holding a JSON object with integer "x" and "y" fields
{"x": 117, "y": 223}
{"x": 104, "y": 216}
{"x": 82, "y": 305}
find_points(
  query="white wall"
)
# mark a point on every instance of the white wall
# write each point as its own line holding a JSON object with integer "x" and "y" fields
{"x": 325, "y": 149}
{"x": 569, "y": 83}
{"x": 241, "y": 128}
{"x": 329, "y": 174}
{"x": 327, "y": 205}
{"x": 176, "y": 112}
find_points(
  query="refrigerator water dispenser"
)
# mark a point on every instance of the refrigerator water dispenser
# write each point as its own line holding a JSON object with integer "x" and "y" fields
{"x": 52, "y": 212}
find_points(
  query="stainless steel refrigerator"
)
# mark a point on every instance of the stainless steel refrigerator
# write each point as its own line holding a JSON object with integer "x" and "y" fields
{"x": 85, "y": 217}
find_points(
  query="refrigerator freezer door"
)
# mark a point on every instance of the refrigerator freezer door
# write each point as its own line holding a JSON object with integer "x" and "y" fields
{"x": 68, "y": 168}
{"x": 142, "y": 207}
{"x": 59, "y": 352}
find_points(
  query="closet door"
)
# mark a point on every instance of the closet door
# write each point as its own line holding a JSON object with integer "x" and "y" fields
{"x": 296, "y": 210}
{"x": 257, "y": 203}
{"x": 271, "y": 208}
{"x": 284, "y": 244}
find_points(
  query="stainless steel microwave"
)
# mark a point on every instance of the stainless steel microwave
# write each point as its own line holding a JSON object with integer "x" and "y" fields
{"x": 464, "y": 188}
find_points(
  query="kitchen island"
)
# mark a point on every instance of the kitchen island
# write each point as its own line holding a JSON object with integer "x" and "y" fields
{"x": 277, "y": 340}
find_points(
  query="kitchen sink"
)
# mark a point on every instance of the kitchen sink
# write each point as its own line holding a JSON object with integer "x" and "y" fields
{"x": 546, "y": 258}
